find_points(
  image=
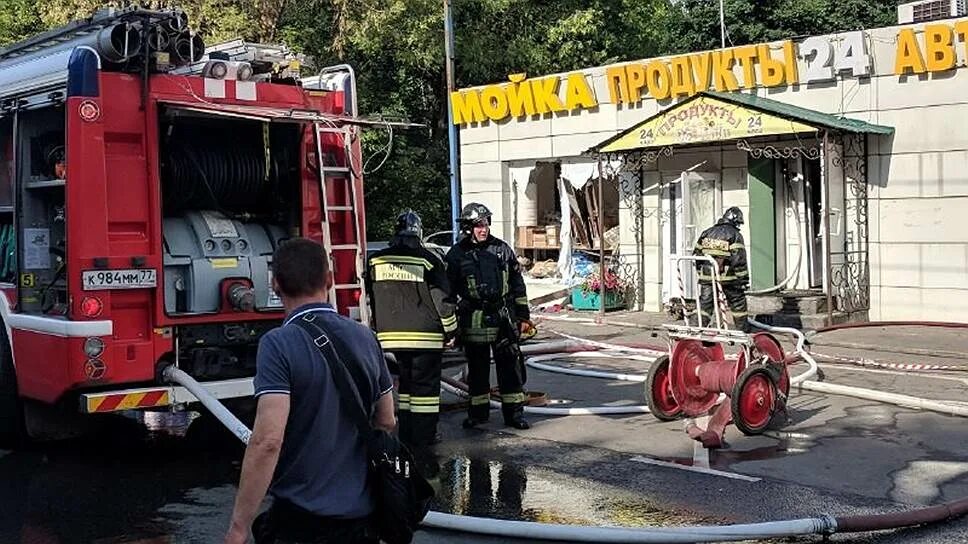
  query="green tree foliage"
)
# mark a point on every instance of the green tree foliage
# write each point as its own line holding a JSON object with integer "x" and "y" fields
{"x": 18, "y": 20}
{"x": 498, "y": 37}
{"x": 396, "y": 47}
{"x": 696, "y": 22}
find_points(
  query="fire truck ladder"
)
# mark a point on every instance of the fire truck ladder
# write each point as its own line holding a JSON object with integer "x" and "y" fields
{"x": 347, "y": 177}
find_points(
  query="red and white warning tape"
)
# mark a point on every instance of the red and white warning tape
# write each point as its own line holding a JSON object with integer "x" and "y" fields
{"x": 892, "y": 366}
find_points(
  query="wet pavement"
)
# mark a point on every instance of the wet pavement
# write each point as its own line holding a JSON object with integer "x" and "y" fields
{"x": 164, "y": 481}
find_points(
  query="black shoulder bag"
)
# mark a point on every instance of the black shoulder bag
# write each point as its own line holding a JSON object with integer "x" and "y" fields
{"x": 401, "y": 495}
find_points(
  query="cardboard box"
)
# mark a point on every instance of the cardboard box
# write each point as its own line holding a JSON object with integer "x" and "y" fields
{"x": 525, "y": 237}
{"x": 540, "y": 239}
{"x": 552, "y": 234}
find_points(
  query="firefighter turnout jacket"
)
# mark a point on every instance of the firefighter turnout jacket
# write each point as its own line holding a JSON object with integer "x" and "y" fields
{"x": 409, "y": 298}
{"x": 724, "y": 243}
{"x": 486, "y": 278}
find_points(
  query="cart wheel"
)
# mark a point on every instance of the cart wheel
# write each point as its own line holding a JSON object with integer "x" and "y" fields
{"x": 767, "y": 345}
{"x": 658, "y": 391}
{"x": 754, "y": 400}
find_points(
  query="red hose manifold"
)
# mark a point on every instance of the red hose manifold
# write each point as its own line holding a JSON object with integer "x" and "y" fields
{"x": 690, "y": 381}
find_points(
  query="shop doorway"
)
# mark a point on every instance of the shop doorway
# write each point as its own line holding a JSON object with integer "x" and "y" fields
{"x": 761, "y": 245}
{"x": 813, "y": 201}
{"x": 691, "y": 199}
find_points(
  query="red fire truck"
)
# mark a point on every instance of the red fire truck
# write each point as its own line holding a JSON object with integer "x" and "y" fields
{"x": 144, "y": 185}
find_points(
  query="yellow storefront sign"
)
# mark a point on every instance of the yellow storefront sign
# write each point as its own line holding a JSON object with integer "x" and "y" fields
{"x": 938, "y": 53}
{"x": 522, "y": 97}
{"x": 680, "y": 76}
{"x": 930, "y": 48}
{"x": 701, "y": 120}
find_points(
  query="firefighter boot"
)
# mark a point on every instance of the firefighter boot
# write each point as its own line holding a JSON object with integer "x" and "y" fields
{"x": 471, "y": 422}
{"x": 478, "y": 412}
{"x": 514, "y": 415}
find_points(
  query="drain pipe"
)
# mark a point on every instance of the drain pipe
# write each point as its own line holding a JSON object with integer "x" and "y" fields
{"x": 645, "y": 349}
{"x": 921, "y": 516}
{"x": 554, "y": 346}
{"x": 905, "y": 401}
{"x": 232, "y": 423}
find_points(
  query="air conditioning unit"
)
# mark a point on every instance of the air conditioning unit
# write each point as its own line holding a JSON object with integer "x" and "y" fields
{"x": 929, "y": 10}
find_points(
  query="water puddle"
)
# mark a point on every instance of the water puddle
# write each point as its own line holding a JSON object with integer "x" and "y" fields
{"x": 504, "y": 490}
{"x": 141, "y": 478}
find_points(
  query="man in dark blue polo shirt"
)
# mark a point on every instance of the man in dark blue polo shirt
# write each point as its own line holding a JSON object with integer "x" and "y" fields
{"x": 303, "y": 443}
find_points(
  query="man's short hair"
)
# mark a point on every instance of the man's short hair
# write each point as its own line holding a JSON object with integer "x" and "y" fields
{"x": 300, "y": 267}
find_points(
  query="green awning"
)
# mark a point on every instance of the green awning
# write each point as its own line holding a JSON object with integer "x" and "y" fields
{"x": 710, "y": 117}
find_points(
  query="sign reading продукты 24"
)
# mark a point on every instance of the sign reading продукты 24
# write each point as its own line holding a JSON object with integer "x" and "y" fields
{"x": 706, "y": 119}
{"x": 815, "y": 59}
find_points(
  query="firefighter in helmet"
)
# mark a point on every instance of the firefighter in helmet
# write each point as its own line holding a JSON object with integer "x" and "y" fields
{"x": 414, "y": 320}
{"x": 724, "y": 243}
{"x": 492, "y": 313}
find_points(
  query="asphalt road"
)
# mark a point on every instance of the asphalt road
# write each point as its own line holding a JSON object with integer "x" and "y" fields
{"x": 165, "y": 481}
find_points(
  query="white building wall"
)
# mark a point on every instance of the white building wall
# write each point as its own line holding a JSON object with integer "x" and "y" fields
{"x": 918, "y": 178}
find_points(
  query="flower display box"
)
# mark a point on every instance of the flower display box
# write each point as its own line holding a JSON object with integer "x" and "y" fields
{"x": 592, "y": 300}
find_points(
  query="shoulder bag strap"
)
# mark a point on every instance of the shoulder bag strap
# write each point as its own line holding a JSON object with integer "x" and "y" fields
{"x": 349, "y": 394}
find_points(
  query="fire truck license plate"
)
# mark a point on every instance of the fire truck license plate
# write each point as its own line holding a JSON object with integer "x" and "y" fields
{"x": 140, "y": 278}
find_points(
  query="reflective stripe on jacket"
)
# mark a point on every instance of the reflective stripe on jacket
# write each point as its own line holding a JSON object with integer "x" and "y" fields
{"x": 409, "y": 297}
{"x": 724, "y": 243}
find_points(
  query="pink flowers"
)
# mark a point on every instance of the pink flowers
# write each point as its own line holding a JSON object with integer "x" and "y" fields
{"x": 593, "y": 282}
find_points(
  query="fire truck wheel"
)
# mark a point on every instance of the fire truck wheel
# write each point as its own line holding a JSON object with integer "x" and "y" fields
{"x": 12, "y": 429}
{"x": 754, "y": 400}
{"x": 658, "y": 391}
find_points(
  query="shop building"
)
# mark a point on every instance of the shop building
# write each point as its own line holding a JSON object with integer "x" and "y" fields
{"x": 847, "y": 152}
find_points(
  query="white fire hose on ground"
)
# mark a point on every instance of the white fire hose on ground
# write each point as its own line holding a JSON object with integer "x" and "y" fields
{"x": 548, "y": 531}
{"x": 822, "y": 525}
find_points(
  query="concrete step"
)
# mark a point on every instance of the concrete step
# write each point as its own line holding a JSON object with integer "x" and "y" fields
{"x": 800, "y": 321}
{"x": 794, "y": 302}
